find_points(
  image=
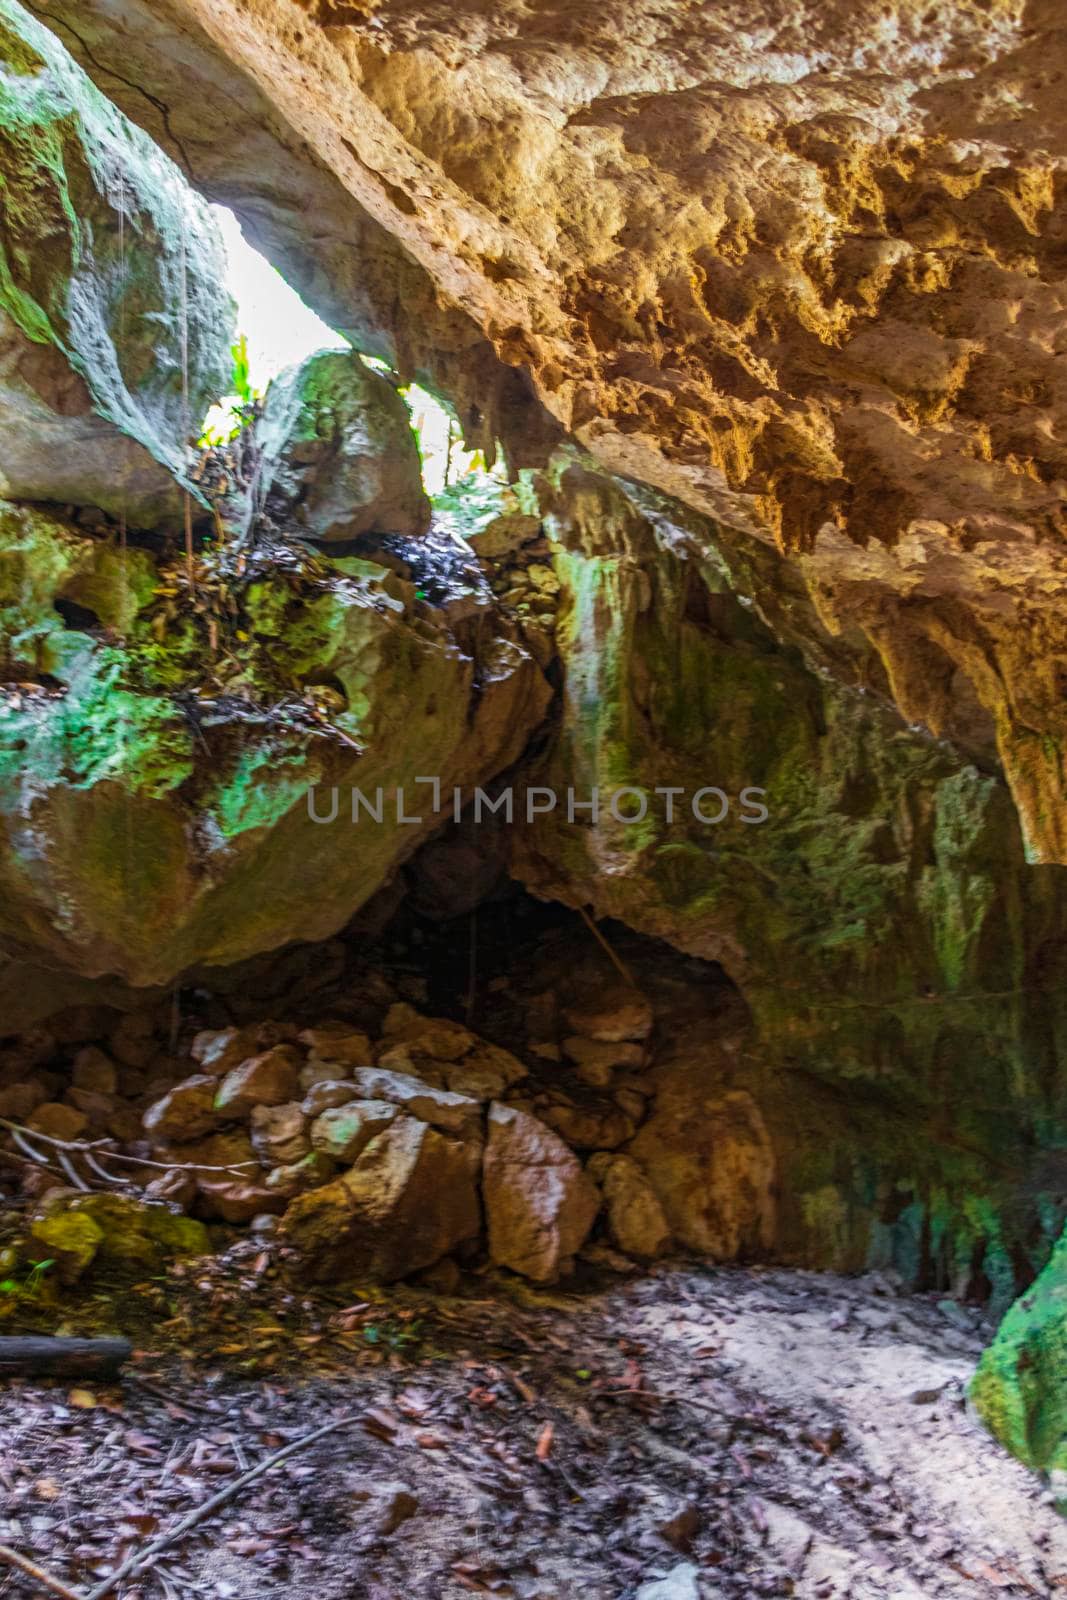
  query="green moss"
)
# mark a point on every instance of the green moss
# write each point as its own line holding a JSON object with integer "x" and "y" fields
{"x": 1020, "y": 1388}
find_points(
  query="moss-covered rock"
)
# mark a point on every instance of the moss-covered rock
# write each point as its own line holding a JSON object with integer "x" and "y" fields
{"x": 339, "y": 455}
{"x": 114, "y": 1230}
{"x": 1020, "y": 1388}
{"x": 115, "y": 323}
{"x": 150, "y": 824}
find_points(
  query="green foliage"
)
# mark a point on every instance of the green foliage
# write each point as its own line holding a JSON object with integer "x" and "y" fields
{"x": 238, "y": 411}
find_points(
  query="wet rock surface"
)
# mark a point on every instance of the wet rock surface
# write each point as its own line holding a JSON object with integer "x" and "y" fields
{"x": 115, "y": 322}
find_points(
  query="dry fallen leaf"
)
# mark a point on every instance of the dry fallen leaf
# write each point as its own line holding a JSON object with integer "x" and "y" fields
{"x": 82, "y": 1399}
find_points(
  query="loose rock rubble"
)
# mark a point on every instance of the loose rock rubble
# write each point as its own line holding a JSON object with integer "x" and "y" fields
{"x": 383, "y": 1150}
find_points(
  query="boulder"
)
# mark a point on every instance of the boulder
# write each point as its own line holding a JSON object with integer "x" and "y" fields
{"x": 596, "y": 1124}
{"x": 635, "y": 1219}
{"x": 602, "y": 1053}
{"x": 93, "y": 1069}
{"x": 193, "y": 827}
{"x": 337, "y": 1042}
{"x": 311, "y": 1172}
{"x": 343, "y": 1131}
{"x": 185, "y": 1112}
{"x": 325, "y": 1094}
{"x": 229, "y": 1153}
{"x": 540, "y": 1206}
{"x": 269, "y": 1079}
{"x": 407, "y": 1202}
{"x": 339, "y": 455}
{"x": 236, "y": 1200}
{"x": 280, "y": 1134}
{"x": 114, "y": 295}
{"x": 132, "y": 1233}
{"x": 437, "y": 1037}
{"x": 58, "y": 1121}
{"x": 709, "y": 1158}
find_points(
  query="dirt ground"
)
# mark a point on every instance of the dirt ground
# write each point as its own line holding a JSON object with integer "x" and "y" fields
{"x": 736, "y": 1433}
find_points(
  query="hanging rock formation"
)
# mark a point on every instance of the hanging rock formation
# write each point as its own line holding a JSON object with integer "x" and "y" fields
{"x": 797, "y": 267}
{"x": 115, "y": 323}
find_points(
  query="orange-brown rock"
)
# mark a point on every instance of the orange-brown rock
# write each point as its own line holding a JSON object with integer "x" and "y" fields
{"x": 796, "y": 265}
{"x": 539, "y": 1203}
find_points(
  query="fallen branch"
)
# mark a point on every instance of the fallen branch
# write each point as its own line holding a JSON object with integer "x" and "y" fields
{"x": 36, "y": 1356}
{"x": 92, "y": 1148}
{"x": 39, "y": 1575}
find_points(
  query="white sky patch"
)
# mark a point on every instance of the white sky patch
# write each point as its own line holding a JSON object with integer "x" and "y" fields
{"x": 282, "y": 332}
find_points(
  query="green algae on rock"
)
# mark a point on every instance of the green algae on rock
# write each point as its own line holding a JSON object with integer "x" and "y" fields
{"x": 897, "y": 952}
{"x": 114, "y": 1230}
{"x": 115, "y": 324}
{"x": 147, "y": 826}
{"x": 1020, "y": 1388}
{"x": 339, "y": 455}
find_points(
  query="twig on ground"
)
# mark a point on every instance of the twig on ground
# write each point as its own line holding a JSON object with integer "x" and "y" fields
{"x": 140, "y": 1557}
{"x": 38, "y": 1574}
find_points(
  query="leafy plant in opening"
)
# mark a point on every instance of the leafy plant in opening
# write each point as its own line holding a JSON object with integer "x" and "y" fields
{"x": 238, "y": 410}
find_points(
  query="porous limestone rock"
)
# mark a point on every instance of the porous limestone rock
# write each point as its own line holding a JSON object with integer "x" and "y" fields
{"x": 539, "y": 1204}
{"x": 137, "y": 843}
{"x": 269, "y": 1079}
{"x": 635, "y": 1218}
{"x": 339, "y": 457}
{"x": 408, "y": 1201}
{"x": 115, "y": 322}
{"x": 788, "y": 263}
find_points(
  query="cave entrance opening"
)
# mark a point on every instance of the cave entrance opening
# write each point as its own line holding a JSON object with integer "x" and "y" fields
{"x": 277, "y": 330}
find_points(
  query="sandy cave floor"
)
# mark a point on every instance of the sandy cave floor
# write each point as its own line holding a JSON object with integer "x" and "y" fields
{"x": 522, "y": 1443}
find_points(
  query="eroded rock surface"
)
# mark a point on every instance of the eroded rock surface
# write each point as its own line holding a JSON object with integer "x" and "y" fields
{"x": 115, "y": 321}
{"x": 797, "y": 267}
{"x": 154, "y": 794}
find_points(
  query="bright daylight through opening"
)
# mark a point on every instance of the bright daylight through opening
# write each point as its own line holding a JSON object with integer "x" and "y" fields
{"x": 280, "y": 331}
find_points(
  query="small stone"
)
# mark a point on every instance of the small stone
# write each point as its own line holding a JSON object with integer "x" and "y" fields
{"x": 543, "y": 578}
{"x": 94, "y": 1070}
{"x": 614, "y": 1014}
{"x": 99, "y": 1108}
{"x": 322, "y": 1072}
{"x": 343, "y": 1131}
{"x": 323, "y": 1096}
{"x": 679, "y": 1584}
{"x": 269, "y": 1079}
{"x": 132, "y": 1041}
{"x": 235, "y": 1201}
{"x": 177, "y": 1188}
{"x": 185, "y": 1112}
{"x": 219, "y": 1050}
{"x": 280, "y": 1134}
{"x": 58, "y": 1121}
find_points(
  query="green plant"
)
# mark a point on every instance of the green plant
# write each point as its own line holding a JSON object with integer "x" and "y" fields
{"x": 32, "y": 1282}
{"x": 227, "y": 421}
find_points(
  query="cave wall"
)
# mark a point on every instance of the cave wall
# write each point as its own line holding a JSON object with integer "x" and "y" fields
{"x": 798, "y": 267}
